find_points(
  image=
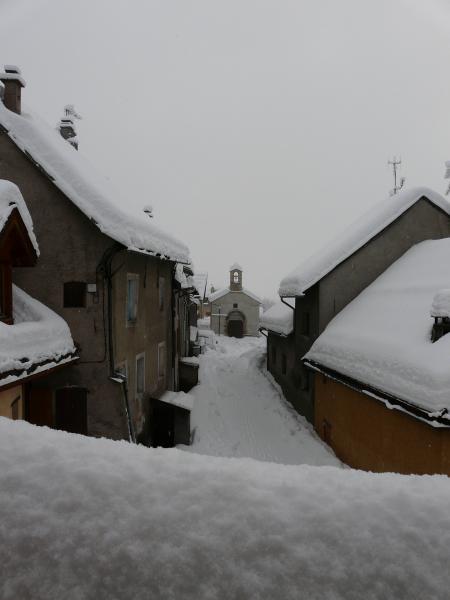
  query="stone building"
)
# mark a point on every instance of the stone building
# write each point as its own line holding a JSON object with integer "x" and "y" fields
{"x": 235, "y": 310}
{"x": 326, "y": 282}
{"x": 381, "y": 371}
{"x": 105, "y": 268}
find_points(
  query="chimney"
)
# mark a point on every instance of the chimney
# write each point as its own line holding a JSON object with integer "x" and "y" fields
{"x": 13, "y": 82}
{"x": 66, "y": 126}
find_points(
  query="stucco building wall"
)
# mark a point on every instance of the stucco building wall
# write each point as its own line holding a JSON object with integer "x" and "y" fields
{"x": 72, "y": 248}
{"x": 331, "y": 294}
{"x": 245, "y": 304}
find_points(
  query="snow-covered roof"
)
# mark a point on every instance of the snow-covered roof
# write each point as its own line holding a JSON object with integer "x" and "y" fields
{"x": 279, "y": 318}
{"x": 196, "y": 527}
{"x": 236, "y": 267}
{"x": 90, "y": 192}
{"x": 179, "y": 399}
{"x": 200, "y": 283}
{"x": 382, "y": 338}
{"x": 38, "y": 340}
{"x": 440, "y": 307}
{"x": 225, "y": 291}
{"x": 10, "y": 199}
{"x": 353, "y": 238}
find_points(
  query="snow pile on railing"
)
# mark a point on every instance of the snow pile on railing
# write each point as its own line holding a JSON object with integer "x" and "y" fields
{"x": 440, "y": 306}
{"x": 383, "y": 338}
{"x": 92, "y": 518}
{"x": 10, "y": 199}
{"x": 354, "y": 237}
{"x": 279, "y": 318}
{"x": 38, "y": 336}
{"x": 88, "y": 190}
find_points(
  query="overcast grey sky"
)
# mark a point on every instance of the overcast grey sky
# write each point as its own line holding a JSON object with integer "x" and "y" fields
{"x": 256, "y": 128}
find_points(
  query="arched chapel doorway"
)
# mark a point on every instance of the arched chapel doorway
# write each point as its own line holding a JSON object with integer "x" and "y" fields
{"x": 236, "y": 324}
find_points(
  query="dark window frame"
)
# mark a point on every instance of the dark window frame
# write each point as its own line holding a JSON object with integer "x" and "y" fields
{"x": 74, "y": 294}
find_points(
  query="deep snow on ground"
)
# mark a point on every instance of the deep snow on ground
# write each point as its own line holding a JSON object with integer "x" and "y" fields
{"x": 83, "y": 518}
{"x": 239, "y": 410}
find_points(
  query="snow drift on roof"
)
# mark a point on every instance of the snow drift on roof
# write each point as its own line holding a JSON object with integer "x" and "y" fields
{"x": 440, "y": 306}
{"x": 225, "y": 291}
{"x": 103, "y": 519}
{"x": 11, "y": 198}
{"x": 359, "y": 233}
{"x": 382, "y": 338}
{"x": 279, "y": 318}
{"x": 236, "y": 267}
{"x": 38, "y": 335}
{"x": 200, "y": 283}
{"x": 88, "y": 190}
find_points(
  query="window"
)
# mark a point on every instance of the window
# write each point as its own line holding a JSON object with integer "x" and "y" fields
{"x": 74, "y": 294}
{"x": 140, "y": 374}
{"x": 283, "y": 364}
{"x": 162, "y": 292}
{"x": 235, "y": 305}
{"x": 132, "y": 297}
{"x": 274, "y": 356}
{"x": 304, "y": 326}
{"x": 235, "y": 277}
{"x": 162, "y": 360}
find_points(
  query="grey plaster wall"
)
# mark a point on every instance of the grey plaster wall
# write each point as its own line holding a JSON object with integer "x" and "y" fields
{"x": 337, "y": 289}
{"x": 153, "y": 327}
{"x": 423, "y": 221}
{"x": 247, "y": 305}
{"x": 71, "y": 250}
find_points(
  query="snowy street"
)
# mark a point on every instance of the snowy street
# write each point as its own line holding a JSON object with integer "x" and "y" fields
{"x": 239, "y": 412}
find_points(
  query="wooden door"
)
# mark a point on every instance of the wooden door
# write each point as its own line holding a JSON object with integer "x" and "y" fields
{"x": 71, "y": 410}
{"x": 39, "y": 406}
{"x": 163, "y": 425}
{"x": 235, "y": 328}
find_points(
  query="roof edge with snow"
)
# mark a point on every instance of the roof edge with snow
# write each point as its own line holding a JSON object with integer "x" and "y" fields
{"x": 360, "y": 232}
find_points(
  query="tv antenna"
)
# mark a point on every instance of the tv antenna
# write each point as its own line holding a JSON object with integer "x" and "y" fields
{"x": 398, "y": 183}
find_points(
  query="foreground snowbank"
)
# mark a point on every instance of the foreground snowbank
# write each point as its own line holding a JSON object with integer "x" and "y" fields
{"x": 85, "y": 518}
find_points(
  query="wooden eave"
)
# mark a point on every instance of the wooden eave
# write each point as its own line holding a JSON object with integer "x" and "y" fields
{"x": 438, "y": 418}
{"x": 16, "y": 247}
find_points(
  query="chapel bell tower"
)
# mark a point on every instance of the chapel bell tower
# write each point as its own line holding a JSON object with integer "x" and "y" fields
{"x": 236, "y": 278}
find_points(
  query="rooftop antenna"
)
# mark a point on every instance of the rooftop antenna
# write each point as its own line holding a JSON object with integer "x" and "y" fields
{"x": 447, "y": 176}
{"x": 395, "y": 163}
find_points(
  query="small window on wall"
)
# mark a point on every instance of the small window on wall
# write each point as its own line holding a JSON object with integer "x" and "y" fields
{"x": 74, "y": 294}
{"x": 132, "y": 297}
{"x": 140, "y": 374}
{"x": 235, "y": 305}
{"x": 162, "y": 292}
{"x": 162, "y": 360}
{"x": 283, "y": 364}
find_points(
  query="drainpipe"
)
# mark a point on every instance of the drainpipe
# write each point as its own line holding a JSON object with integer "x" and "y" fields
{"x": 287, "y": 304}
{"x": 105, "y": 267}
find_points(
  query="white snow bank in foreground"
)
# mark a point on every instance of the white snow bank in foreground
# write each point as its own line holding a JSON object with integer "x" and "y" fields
{"x": 87, "y": 189}
{"x": 11, "y": 198}
{"x": 383, "y": 337}
{"x": 278, "y": 318}
{"x": 38, "y": 335}
{"x": 90, "y": 518}
{"x": 359, "y": 233}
